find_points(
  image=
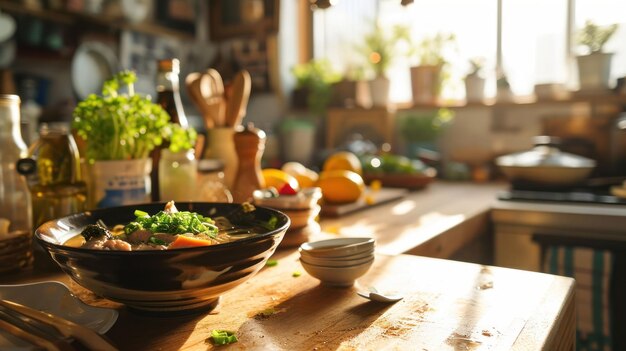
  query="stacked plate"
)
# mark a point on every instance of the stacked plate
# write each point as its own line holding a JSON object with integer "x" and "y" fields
{"x": 15, "y": 251}
{"x": 338, "y": 261}
{"x": 302, "y": 208}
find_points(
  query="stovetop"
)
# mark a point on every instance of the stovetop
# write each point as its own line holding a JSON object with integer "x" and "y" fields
{"x": 586, "y": 193}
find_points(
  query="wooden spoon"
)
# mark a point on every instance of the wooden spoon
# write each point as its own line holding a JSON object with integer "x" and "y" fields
{"x": 192, "y": 82}
{"x": 238, "y": 98}
{"x": 215, "y": 95}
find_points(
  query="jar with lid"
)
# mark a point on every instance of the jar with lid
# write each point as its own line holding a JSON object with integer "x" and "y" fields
{"x": 53, "y": 173}
{"x": 211, "y": 182}
{"x": 15, "y": 206}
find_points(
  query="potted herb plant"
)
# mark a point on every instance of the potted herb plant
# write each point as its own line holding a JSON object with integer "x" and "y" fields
{"x": 380, "y": 49}
{"x": 474, "y": 81}
{"x": 119, "y": 129}
{"x": 429, "y": 72}
{"x": 594, "y": 66}
{"x": 420, "y": 130}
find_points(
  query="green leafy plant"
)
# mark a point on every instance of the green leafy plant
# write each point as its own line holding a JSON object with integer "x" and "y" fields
{"x": 425, "y": 127}
{"x": 593, "y": 36}
{"x": 381, "y": 47}
{"x": 119, "y": 126}
{"x": 316, "y": 76}
{"x": 432, "y": 50}
{"x": 181, "y": 139}
{"x": 476, "y": 65}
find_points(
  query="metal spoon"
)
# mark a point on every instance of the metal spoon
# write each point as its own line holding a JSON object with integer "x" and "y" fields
{"x": 374, "y": 295}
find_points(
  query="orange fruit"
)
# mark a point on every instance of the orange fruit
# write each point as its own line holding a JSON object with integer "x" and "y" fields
{"x": 343, "y": 160}
{"x": 305, "y": 177}
{"x": 341, "y": 186}
{"x": 277, "y": 178}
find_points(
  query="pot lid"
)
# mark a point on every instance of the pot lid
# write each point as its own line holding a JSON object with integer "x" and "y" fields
{"x": 545, "y": 153}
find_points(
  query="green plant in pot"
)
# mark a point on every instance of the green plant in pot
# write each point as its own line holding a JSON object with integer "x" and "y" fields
{"x": 118, "y": 130}
{"x": 313, "y": 85}
{"x": 421, "y": 129}
{"x": 429, "y": 72}
{"x": 474, "y": 81}
{"x": 594, "y": 66}
{"x": 380, "y": 48}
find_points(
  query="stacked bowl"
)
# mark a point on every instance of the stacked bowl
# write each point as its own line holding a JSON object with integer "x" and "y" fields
{"x": 338, "y": 261}
{"x": 302, "y": 209}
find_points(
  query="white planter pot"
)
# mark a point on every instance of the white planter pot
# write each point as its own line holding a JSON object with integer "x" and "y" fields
{"x": 594, "y": 71}
{"x": 474, "y": 88}
{"x": 379, "y": 91}
{"x": 120, "y": 182}
{"x": 298, "y": 143}
{"x": 425, "y": 84}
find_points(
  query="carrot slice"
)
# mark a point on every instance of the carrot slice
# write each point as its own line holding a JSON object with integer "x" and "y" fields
{"x": 187, "y": 241}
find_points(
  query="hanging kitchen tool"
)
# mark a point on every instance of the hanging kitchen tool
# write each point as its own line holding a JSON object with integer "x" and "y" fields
{"x": 212, "y": 88}
{"x": 237, "y": 102}
{"x": 192, "y": 82}
{"x": 546, "y": 165}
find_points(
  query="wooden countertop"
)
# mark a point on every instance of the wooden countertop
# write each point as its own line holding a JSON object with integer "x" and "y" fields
{"x": 447, "y": 305}
{"x": 435, "y": 221}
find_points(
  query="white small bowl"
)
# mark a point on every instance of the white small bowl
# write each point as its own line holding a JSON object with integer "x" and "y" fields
{"x": 337, "y": 276}
{"x": 357, "y": 256}
{"x": 336, "y": 263}
{"x": 338, "y": 247}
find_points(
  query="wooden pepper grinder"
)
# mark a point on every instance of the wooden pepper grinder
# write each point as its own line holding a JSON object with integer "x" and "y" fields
{"x": 249, "y": 145}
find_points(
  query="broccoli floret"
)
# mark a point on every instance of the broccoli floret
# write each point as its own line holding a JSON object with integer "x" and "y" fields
{"x": 95, "y": 231}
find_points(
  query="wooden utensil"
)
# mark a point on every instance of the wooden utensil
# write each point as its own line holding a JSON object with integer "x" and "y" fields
{"x": 238, "y": 98}
{"x": 192, "y": 82}
{"x": 212, "y": 87}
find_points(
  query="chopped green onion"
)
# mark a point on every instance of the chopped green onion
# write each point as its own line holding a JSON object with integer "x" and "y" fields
{"x": 140, "y": 213}
{"x": 296, "y": 274}
{"x": 157, "y": 241}
{"x": 223, "y": 337}
{"x": 271, "y": 263}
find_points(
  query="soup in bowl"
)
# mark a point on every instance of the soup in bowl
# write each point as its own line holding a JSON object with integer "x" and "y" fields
{"x": 155, "y": 271}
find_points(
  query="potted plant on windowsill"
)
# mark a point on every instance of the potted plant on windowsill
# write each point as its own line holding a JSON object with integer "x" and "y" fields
{"x": 594, "y": 67}
{"x": 474, "y": 81}
{"x": 118, "y": 130}
{"x": 380, "y": 48}
{"x": 420, "y": 130}
{"x": 429, "y": 73}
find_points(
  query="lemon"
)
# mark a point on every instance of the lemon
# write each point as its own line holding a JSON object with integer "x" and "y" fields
{"x": 343, "y": 160}
{"x": 341, "y": 186}
{"x": 305, "y": 177}
{"x": 277, "y": 178}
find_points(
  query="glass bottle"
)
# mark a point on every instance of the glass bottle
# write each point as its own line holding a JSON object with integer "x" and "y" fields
{"x": 177, "y": 175}
{"x": 168, "y": 96}
{"x": 211, "y": 182}
{"x": 15, "y": 206}
{"x": 53, "y": 174}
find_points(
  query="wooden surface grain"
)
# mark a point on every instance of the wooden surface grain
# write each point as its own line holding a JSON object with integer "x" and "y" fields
{"x": 448, "y": 305}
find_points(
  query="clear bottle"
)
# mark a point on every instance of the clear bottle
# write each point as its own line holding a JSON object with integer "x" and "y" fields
{"x": 15, "y": 206}
{"x": 54, "y": 178}
{"x": 178, "y": 175}
{"x": 168, "y": 96}
{"x": 211, "y": 182}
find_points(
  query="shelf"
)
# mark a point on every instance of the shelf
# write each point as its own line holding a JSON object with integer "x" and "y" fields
{"x": 590, "y": 98}
{"x": 69, "y": 18}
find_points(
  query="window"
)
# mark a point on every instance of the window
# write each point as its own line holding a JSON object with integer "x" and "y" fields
{"x": 534, "y": 37}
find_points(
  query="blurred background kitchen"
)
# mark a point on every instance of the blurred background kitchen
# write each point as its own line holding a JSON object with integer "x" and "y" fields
{"x": 507, "y": 69}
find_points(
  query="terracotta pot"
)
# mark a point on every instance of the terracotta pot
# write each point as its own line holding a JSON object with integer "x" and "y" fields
{"x": 594, "y": 71}
{"x": 425, "y": 83}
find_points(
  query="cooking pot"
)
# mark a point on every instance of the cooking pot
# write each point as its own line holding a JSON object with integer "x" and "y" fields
{"x": 546, "y": 164}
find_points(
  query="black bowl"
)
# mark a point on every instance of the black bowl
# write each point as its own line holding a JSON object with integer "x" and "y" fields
{"x": 179, "y": 280}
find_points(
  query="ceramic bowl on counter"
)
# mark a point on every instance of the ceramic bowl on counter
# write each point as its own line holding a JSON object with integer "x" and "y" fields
{"x": 338, "y": 261}
{"x": 162, "y": 281}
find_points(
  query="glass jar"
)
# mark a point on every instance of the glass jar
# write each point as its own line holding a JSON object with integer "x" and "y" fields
{"x": 211, "y": 182}
{"x": 177, "y": 175}
{"x": 53, "y": 173}
{"x": 15, "y": 207}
